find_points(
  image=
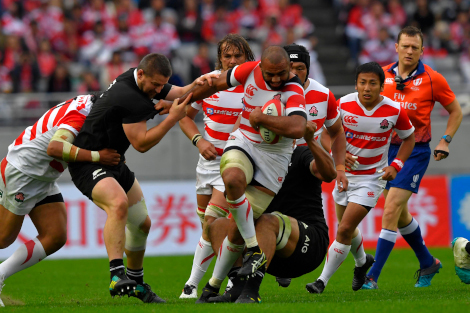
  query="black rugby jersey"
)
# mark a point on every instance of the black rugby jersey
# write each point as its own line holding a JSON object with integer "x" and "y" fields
{"x": 122, "y": 103}
{"x": 300, "y": 194}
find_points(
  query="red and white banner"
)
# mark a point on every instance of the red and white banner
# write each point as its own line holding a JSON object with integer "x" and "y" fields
{"x": 430, "y": 207}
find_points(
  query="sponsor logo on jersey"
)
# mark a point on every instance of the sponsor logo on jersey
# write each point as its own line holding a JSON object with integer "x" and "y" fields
{"x": 349, "y": 135}
{"x": 294, "y": 56}
{"x": 97, "y": 173}
{"x": 210, "y": 111}
{"x": 350, "y": 120}
{"x": 417, "y": 81}
{"x": 313, "y": 111}
{"x": 250, "y": 91}
{"x": 367, "y": 137}
{"x": 408, "y": 105}
{"x": 389, "y": 81}
{"x": 19, "y": 197}
{"x": 414, "y": 88}
{"x": 384, "y": 124}
{"x": 370, "y": 194}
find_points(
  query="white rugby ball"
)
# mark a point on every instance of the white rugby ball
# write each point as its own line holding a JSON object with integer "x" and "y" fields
{"x": 273, "y": 107}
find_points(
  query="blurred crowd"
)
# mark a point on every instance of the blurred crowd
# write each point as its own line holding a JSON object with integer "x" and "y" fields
{"x": 371, "y": 27}
{"x": 82, "y": 45}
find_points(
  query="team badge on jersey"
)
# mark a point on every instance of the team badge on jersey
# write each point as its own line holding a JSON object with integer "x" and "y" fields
{"x": 417, "y": 81}
{"x": 19, "y": 197}
{"x": 384, "y": 124}
{"x": 313, "y": 111}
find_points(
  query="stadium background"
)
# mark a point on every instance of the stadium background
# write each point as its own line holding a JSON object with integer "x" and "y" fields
{"x": 52, "y": 50}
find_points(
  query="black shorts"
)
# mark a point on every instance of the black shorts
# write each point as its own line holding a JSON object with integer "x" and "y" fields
{"x": 308, "y": 255}
{"x": 85, "y": 176}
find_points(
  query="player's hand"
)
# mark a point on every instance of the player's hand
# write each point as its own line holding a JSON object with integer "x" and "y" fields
{"x": 206, "y": 149}
{"x": 109, "y": 157}
{"x": 255, "y": 117}
{"x": 351, "y": 162}
{"x": 389, "y": 173}
{"x": 341, "y": 181}
{"x": 163, "y": 106}
{"x": 178, "y": 111}
{"x": 310, "y": 129}
{"x": 207, "y": 77}
{"x": 442, "y": 146}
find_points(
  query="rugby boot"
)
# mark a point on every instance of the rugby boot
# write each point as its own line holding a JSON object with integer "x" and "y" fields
{"x": 189, "y": 292}
{"x": 316, "y": 287}
{"x": 250, "y": 293}
{"x": 361, "y": 272}
{"x": 208, "y": 292}
{"x": 121, "y": 285}
{"x": 461, "y": 259}
{"x": 283, "y": 282}
{"x": 370, "y": 283}
{"x": 425, "y": 275}
{"x": 146, "y": 295}
{"x": 234, "y": 288}
{"x": 252, "y": 261}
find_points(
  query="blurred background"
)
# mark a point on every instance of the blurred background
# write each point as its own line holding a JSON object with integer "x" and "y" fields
{"x": 52, "y": 50}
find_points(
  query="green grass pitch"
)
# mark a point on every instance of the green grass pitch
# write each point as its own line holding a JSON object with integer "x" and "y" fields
{"x": 81, "y": 286}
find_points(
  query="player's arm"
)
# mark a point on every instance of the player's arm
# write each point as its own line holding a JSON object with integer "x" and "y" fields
{"x": 60, "y": 147}
{"x": 406, "y": 147}
{"x": 292, "y": 126}
{"x": 322, "y": 166}
{"x": 338, "y": 148}
{"x": 453, "y": 124}
{"x": 142, "y": 139}
{"x": 179, "y": 92}
{"x": 189, "y": 128}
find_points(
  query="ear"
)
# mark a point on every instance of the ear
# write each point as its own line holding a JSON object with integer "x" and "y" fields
{"x": 382, "y": 88}
{"x": 140, "y": 73}
{"x": 355, "y": 86}
{"x": 396, "y": 47}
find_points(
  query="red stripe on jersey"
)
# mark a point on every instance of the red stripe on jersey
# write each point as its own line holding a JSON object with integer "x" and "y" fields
{"x": 61, "y": 112}
{"x": 249, "y": 129}
{"x": 219, "y": 151}
{"x": 74, "y": 119}
{"x": 33, "y": 131}
{"x": 255, "y": 141}
{"x": 369, "y": 161}
{"x": 259, "y": 80}
{"x": 314, "y": 96}
{"x": 215, "y": 134}
{"x": 363, "y": 172}
{"x": 238, "y": 89}
{"x": 57, "y": 166}
{"x": 46, "y": 120}
{"x": 3, "y": 166}
{"x": 243, "y": 71}
{"x": 332, "y": 110}
{"x": 294, "y": 88}
{"x": 367, "y": 140}
{"x": 19, "y": 140}
{"x": 295, "y": 101}
{"x": 384, "y": 110}
{"x": 224, "y": 119}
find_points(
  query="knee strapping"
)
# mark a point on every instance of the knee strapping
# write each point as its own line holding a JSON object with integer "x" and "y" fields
{"x": 136, "y": 238}
{"x": 216, "y": 211}
{"x": 201, "y": 212}
{"x": 259, "y": 200}
{"x": 236, "y": 158}
{"x": 285, "y": 229}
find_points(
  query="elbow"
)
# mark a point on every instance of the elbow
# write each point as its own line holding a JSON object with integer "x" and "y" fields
{"x": 297, "y": 132}
{"x": 141, "y": 148}
{"x": 331, "y": 176}
{"x": 52, "y": 151}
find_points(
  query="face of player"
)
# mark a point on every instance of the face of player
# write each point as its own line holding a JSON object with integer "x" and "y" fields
{"x": 409, "y": 50}
{"x": 151, "y": 85}
{"x": 231, "y": 57}
{"x": 275, "y": 75}
{"x": 299, "y": 69}
{"x": 369, "y": 89}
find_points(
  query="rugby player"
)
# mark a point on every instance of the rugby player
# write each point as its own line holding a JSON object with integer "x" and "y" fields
{"x": 34, "y": 162}
{"x": 293, "y": 231}
{"x": 252, "y": 170}
{"x": 368, "y": 120}
{"x": 221, "y": 111}
{"x": 416, "y": 87}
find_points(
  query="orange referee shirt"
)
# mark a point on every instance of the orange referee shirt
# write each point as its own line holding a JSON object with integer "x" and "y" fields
{"x": 421, "y": 90}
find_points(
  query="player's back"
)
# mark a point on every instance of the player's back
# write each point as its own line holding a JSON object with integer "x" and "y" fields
{"x": 28, "y": 153}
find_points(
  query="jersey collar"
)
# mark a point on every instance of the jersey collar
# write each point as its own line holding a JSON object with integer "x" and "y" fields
{"x": 419, "y": 70}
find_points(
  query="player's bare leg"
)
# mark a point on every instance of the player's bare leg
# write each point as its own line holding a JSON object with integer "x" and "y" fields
{"x": 109, "y": 196}
{"x": 10, "y": 225}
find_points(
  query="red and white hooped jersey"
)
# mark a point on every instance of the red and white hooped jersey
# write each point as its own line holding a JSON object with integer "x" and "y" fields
{"x": 256, "y": 94}
{"x": 221, "y": 111}
{"x": 368, "y": 133}
{"x": 28, "y": 153}
{"x": 321, "y": 107}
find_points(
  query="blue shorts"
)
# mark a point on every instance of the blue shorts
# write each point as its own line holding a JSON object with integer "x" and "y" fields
{"x": 413, "y": 171}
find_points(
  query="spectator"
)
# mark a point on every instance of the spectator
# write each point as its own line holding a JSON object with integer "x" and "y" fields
{"x": 160, "y": 37}
{"x": 160, "y": 7}
{"x": 271, "y": 32}
{"x": 46, "y": 59}
{"x": 12, "y": 51}
{"x": 89, "y": 83}
{"x": 113, "y": 69}
{"x": 397, "y": 12}
{"x": 465, "y": 57}
{"x": 217, "y": 25}
{"x": 97, "y": 11}
{"x": 50, "y": 18}
{"x": 457, "y": 30}
{"x": 355, "y": 31}
{"x": 377, "y": 18}
{"x": 25, "y": 74}
{"x": 60, "y": 80}
{"x": 207, "y": 9}
{"x": 201, "y": 63}
{"x": 292, "y": 17}
{"x": 246, "y": 19}
{"x": 93, "y": 46}
{"x": 380, "y": 50}
{"x": 423, "y": 18}
{"x": 12, "y": 23}
{"x": 190, "y": 22}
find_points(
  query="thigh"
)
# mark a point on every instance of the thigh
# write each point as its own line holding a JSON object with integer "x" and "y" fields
{"x": 107, "y": 192}
{"x": 135, "y": 195}
{"x": 218, "y": 198}
{"x": 353, "y": 215}
{"x": 339, "y": 211}
{"x": 50, "y": 218}
{"x": 10, "y": 226}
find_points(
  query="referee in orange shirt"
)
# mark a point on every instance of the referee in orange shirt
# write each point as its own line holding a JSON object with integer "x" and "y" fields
{"x": 416, "y": 87}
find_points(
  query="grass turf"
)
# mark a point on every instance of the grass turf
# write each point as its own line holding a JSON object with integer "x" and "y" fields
{"x": 81, "y": 285}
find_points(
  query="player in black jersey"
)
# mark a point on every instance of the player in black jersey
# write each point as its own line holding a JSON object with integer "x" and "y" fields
{"x": 292, "y": 232}
{"x": 117, "y": 120}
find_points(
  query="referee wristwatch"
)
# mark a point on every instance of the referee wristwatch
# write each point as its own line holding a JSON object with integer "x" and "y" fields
{"x": 447, "y": 138}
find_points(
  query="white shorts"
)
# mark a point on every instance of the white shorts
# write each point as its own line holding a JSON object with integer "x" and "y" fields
{"x": 270, "y": 169}
{"x": 22, "y": 192}
{"x": 206, "y": 180}
{"x": 363, "y": 192}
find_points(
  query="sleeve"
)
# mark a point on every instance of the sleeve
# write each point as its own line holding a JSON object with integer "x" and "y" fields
{"x": 295, "y": 100}
{"x": 403, "y": 128}
{"x": 197, "y": 105}
{"x": 306, "y": 158}
{"x": 240, "y": 73}
{"x": 162, "y": 94}
{"x": 73, "y": 122}
{"x": 441, "y": 89}
{"x": 332, "y": 112}
{"x": 136, "y": 109}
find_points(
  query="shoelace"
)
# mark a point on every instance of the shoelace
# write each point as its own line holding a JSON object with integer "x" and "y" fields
{"x": 417, "y": 275}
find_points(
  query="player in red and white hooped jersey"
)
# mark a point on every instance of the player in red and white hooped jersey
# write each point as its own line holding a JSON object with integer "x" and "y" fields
{"x": 221, "y": 111}
{"x": 34, "y": 162}
{"x": 321, "y": 108}
{"x": 368, "y": 120}
{"x": 252, "y": 170}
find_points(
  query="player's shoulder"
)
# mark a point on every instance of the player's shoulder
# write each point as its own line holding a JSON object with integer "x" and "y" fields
{"x": 391, "y": 103}
{"x": 293, "y": 85}
{"x": 348, "y": 98}
{"x": 316, "y": 86}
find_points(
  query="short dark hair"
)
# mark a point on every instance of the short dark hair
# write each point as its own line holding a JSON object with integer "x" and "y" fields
{"x": 155, "y": 63}
{"x": 275, "y": 55}
{"x": 233, "y": 41}
{"x": 411, "y": 31}
{"x": 371, "y": 67}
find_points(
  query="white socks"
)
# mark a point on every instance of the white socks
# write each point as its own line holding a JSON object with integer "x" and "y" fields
{"x": 228, "y": 254}
{"x": 357, "y": 250}
{"x": 25, "y": 256}
{"x": 243, "y": 215}
{"x": 202, "y": 259}
{"x": 336, "y": 255}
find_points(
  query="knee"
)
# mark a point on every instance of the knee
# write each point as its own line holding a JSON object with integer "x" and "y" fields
{"x": 145, "y": 227}
{"x": 345, "y": 230}
{"x": 267, "y": 221}
{"x": 392, "y": 210}
{"x": 233, "y": 178}
{"x": 119, "y": 208}
{"x": 59, "y": 239}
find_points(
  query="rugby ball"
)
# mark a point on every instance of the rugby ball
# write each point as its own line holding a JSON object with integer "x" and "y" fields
{"x": 273, "y": 107}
